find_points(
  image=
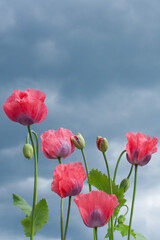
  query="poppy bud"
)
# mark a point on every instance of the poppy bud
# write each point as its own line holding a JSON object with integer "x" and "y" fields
{"x": 102, "y": 144}
{"x": 28, "y": 151}
{"x": 121, "y": 219}
{"x": 78, "y": 141}
{"x": 125, "y": 184}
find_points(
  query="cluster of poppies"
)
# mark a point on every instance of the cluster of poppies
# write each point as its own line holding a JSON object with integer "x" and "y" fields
{"x": 96, "y": 207}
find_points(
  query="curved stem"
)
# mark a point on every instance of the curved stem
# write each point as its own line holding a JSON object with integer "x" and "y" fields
{"x": 35, "y": 183}
{"x": 115, "y": 171}
{"x": 133, "y": 200}
{"x": 86, "y": 167}
{"x": 110, "y": 187}
{"x": 130, "y": 172}
{"x": 127, "y": 210}
{"x": 68, "y": 213}
{"x": 37, "y": 142}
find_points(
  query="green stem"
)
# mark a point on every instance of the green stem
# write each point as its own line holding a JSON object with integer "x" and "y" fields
{"x": 133, "y": 200}
{"x": 61, "y": 207}
{"x": 110, "y": 187}
{"x": 61, "y": 218}
{"x": 115, "y": 171}
{"x": 68, "y": 213}
{"x": 86, "y": 167}
{"x": 130, "y": 172}
{"x": 35, "y": 183}
{"x": 37, "y": 142}
{"x": 96, "y": 233}
{"x": 59, "y": 159}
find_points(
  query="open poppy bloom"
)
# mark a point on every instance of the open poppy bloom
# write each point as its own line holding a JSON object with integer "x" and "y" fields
{"x": 140, "y": 148}
{"x": 26, "y": 107}
{"x": 57, "y": 143}
{"x": 96, "y": 207}
{"x": 68, "y": 179}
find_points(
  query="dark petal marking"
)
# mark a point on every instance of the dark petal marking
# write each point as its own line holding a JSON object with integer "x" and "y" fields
{"x": 145, "y": 160}
{"x": 75, "y": 191}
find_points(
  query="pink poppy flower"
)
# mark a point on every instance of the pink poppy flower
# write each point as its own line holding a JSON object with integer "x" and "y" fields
{"x": 26, "y": 107}
{"x": 57, "y": 143}
{"x": 140, "y": 148}
{"x": 96, "y": 207}
{"x": 68, "y": 179}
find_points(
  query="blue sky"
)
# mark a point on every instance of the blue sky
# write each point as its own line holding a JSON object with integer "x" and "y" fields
{"x": 99, "y": 64}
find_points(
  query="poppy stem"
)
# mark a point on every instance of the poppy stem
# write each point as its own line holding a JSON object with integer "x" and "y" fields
{"x": 37, "y": 142}
{"x": 133, "y": 200}
{"x": 61, "y": 218}
{"x": 115, "y": 171}
{"x": 130, "y": 172}
{"x": 96, "y": 233}
{"x": 110, "y": 187}
{"x": 67, "y": 220}
{"x": 61, "y": 207}
{"x": 35, "y": 182}
{"x": 85, "y": 162}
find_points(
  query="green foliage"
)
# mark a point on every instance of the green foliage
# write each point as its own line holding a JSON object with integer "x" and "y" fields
{"x": 139, "y": 236}
{"x": 40, "y": 218}
{"x": 101, "y": 182}
{"x": 123, "y": 229}
{"x": 24, "y": 206}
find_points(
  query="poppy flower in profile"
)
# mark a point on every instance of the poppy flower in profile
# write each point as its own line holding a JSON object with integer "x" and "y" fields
{"x": 57, "y": 143}
{"x": 26, "y": 107}
{"x": 140, "y": 148}
{"x": 68, "y": 179}
{"x": 96, "y": 207}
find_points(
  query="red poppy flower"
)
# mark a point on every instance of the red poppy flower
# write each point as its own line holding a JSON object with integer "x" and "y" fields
{"x": 26, "y": 107}
{"x": 68, "y": 179}
{"x": 56, "y": 144}
{"x": 140, "y": 148}
{"x": 96, "y": 207}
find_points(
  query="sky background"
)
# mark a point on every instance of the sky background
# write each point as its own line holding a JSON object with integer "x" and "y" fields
{"x": 99, "y": 64}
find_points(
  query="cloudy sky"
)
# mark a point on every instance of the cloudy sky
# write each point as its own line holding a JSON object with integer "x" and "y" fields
{"x": 99, "y": 64}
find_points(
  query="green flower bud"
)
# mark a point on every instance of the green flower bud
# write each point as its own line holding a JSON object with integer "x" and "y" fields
{"x": 102, "y": 144}
{"x": 125, "y": 184}
{"x": 121, "y": 219}
{"x": 28, "y": 151}
{"x": 78, "y": 141}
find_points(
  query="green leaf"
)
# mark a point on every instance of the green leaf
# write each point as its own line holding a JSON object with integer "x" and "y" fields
{"x": 139, "y": 236}
{"x": 123, "y": 229}
{"x": 24, "y": 206}
{"x": 40, "y": 218}
{"x": 101, "y": 182}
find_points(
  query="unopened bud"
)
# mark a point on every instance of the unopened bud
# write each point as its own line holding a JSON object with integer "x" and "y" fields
{"x": 102, "y": 144}
{"x": 121, "y": 219}
{"x": 125, "y": 184}
{"x": 78, "y": 141}
{"x": 28, "y": 151}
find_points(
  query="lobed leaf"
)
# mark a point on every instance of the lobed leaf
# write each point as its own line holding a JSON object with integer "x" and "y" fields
{"x": 40, "y": 218}
{"x": 139, "y": 236}
{"x": 24, "y": 206}
{"x": 101, "y": 182}
{"x": 123, "y": 229}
